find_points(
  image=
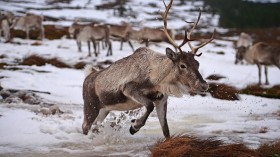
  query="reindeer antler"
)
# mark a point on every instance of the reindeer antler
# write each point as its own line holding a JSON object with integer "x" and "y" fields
{"x": 187, "y": 37}
{"x": 164, "y": 16}
{"x": 195, "y": 49}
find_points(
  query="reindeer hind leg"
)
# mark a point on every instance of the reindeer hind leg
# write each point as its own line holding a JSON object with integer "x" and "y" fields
{"x": 130, "y": 44}
{"x": 109, "y": 52}
{"x": 90, "y": 114}
{"x": 265, "y": 72}
{"x": 89, "y": 54}
{"x": 260, "y": 73}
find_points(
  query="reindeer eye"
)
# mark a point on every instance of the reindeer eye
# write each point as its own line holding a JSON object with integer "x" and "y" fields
{"x": 182, "y": 66}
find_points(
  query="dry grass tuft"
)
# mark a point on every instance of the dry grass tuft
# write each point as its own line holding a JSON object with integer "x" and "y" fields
{"x": 269, "y": 150}
{"x": 34, "y": 60}
{"x": 184, "y": 146}
{"x": 273, "y": 92}
{"x": 215, "y": 77}
{"x": 51, "y": 32}
{"x": 40, "y": 61}
{"x": 57, "y": 63}
{"x": 55, "y": 32}
{"x": 80, "y": 65}
{"x": 223, "y": 91}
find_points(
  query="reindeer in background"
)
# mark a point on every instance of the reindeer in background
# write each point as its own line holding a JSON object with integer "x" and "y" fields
{"x": 261, "y": 53}
{"x": 6, "y": 20}
{"x": 122, "y": 32}
{"x": 93, "y": 34}
{"x": 244, "y": 42}
{"x": 77, "y": 26}
{"x": 147, "y": 35}
{"x": 144, "y": 79}
{"x": 29, "y": 22}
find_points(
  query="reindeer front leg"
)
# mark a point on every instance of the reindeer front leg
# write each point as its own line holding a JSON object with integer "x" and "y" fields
{"x": 79, "y": 45}
{"x": 88, "y": 43}
{"x": 161, "y": 108}
{"x": 260, "y": 73}
{"x": 265, "y": 72}
{"x": 27, "y": 33}
{"x": 130, "y": 90}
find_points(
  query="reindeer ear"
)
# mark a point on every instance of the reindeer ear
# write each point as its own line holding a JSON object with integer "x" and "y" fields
{"x": 171, "y": 54}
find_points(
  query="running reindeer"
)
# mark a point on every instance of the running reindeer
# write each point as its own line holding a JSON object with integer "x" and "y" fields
{"x": 144, "y": 79}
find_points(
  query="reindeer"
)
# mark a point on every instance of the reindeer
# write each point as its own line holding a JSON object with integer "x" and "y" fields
{"x": 144, "y": 79}
{"x": 122, "y": 32}
{"x": 260, "y": 54}
{"x": 29, "y": 22}
{"x": 76, "y": 26}
{"x": 152, "y": 34}
{"x": 93, "y": 34}
{"x": 5, "y": 23}
{"x": 244, "y": 42}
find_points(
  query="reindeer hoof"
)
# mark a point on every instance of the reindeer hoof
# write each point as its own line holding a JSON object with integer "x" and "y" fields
{"x": 132, "y": 130}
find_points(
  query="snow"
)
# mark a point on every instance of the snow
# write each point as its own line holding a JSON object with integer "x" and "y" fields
{"x": 28, "y": 132}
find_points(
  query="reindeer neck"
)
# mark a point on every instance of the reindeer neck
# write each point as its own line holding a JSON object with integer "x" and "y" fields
{"x": 159, "y": 72}
{"x": 249, "y": 55}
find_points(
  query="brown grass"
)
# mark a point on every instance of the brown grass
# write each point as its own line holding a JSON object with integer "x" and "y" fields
{"x": 51, "y": 32}
{"x": 269, "y": 150}
{"x": 215, "y": 77}
{"x": 184, "y": 146}
{"x": 33, "y": 60}
{"x": 55, "y": 32}
{"x": 273, "y": 92}
{"x": 39, "y": 61}
{"x": 223, "y": 91}
{"x": 80, "y": 65}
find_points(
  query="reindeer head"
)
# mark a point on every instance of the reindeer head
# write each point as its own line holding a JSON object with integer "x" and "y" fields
{"x": 188, "y": 74}
{"x": 187, "y": 71}
{"x": 240, "y": 54}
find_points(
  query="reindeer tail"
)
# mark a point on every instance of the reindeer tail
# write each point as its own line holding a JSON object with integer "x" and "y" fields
{"x": 90, "y": 69}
